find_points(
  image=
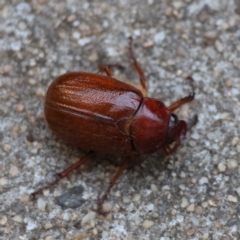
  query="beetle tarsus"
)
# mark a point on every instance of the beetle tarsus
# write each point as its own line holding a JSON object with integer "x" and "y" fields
{"x": 190, "y": 79}
{"x": 193, "y": 122}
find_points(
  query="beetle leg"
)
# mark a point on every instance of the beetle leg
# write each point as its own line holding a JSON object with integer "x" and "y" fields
{"x": 180, "y": 102}
{"x": 193, "y": 122}
{"x": 107, "y": 68}
{"x": 63, "y": 174}
{"x": 167, "y": 150}
{"x": 137, "y": 67}
{"x": 111, "y": 184}
{"x": 184, "y": 100}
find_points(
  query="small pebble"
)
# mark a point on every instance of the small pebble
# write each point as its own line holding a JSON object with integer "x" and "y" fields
{"x": 126, "y": 199}
{"x": 72, "y": 198}
{"x": 95, "y": 231}
{"x": 225, "y": 116}
{"x": 191, "y": 208}
{"x": 148, "y": 44}
{"x": 219, "y": 46}
{"x": 106, "y": 207}
{"x": 80, "y": 236}
{"x": 190, "y": 232}
{"x": 93, "y": 57}
{"x": 136, "y": 197}
{"x": 232, "y": 163}
{"x": 7, "y": 230}
{"x": 194, "y": 180}
{"x": 48, "y": 225}
{"x": 194, "y": 220}
{"x": 83, "y": 41}
{"x": 205, "y": 236}
{"x": 41, "y": 204}
{"x": 205, "y": 204}
{"x": 17, "y": 218}
{"x": 238, "y": 148}
{"x": 232, "y": 199}
{"x": 25, "y": 199}
{"x": 76, "y": 35}
{"x": 229, "y": 84}
{"x": 177, "y": 4}
{"x": 49, "y": 238}
{"x": 238, "y": 191}
{"x": 31, "y": 225}
{"x": 71, "y": 18}
{"x": 235, "y": 140}
{"x": 203, "y": 180}
{"x": 150, "y": 207}
{"x": 46, "y": 192}
{"x": 6, "y": 69}
{"x": 19, "y": 107}
{"x": 88, "y": 217}
{"x": 199, "y": 210}
{"x": 231, "y": 222}
{"x": 182, "y": 187}
{"x": 7, "y": 148}
{"x": 147, "y": 224}
{"x": 180, "y": 218}
{"x": 32, "y": 62}
{"x": 13, "y": 171}
{"x": 40, "y": 92}
{"x": 159, "y": 37}
{"x": 221, "y": 167}
{"x": 212, "y": 203}
{"x": 3, "y": 220}
{"x": 3, "y": 181}
{"x": 217, "y": 224}
{"x": 104, "y": 235}
{"x": 154, "y": 188}
{"x": 184, "y": 203}
{"x": 168, "y": 11}
{"x": 211, "y": 35}
{"x": 32, "y": 81}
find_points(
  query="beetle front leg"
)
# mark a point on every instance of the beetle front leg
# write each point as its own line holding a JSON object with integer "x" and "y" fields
{"x": 111, "y": 184}
{"x": 180, "y": 102}
{"x": 184, "y": 100}
{"x": 64, "y": 174}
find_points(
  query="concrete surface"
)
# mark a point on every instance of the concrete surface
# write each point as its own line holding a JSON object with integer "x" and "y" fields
{"x": 192, "y": 194}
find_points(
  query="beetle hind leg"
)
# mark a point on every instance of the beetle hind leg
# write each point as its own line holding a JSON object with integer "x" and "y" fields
{"x": 111, "y": 184}
{"x": 63, "y": 174}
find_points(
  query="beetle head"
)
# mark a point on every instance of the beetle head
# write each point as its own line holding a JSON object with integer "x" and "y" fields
{"x": 176, "y": 130}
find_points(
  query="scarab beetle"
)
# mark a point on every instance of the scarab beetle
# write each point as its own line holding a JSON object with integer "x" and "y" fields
{"x": 99, "y": 113}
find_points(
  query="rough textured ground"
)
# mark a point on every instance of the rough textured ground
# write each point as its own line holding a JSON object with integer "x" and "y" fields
{"x": 193, "y": 195}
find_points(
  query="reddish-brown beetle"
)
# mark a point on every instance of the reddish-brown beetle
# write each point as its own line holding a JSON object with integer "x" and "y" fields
{"x": 101, "y": 114}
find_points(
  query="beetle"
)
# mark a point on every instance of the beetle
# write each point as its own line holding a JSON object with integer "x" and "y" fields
{"x": 99, "y": 113}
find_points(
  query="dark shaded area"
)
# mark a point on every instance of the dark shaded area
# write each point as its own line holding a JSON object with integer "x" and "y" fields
{"x": 71, "y": 199}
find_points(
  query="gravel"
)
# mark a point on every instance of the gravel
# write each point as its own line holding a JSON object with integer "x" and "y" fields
{"x": 191, "y": 194}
